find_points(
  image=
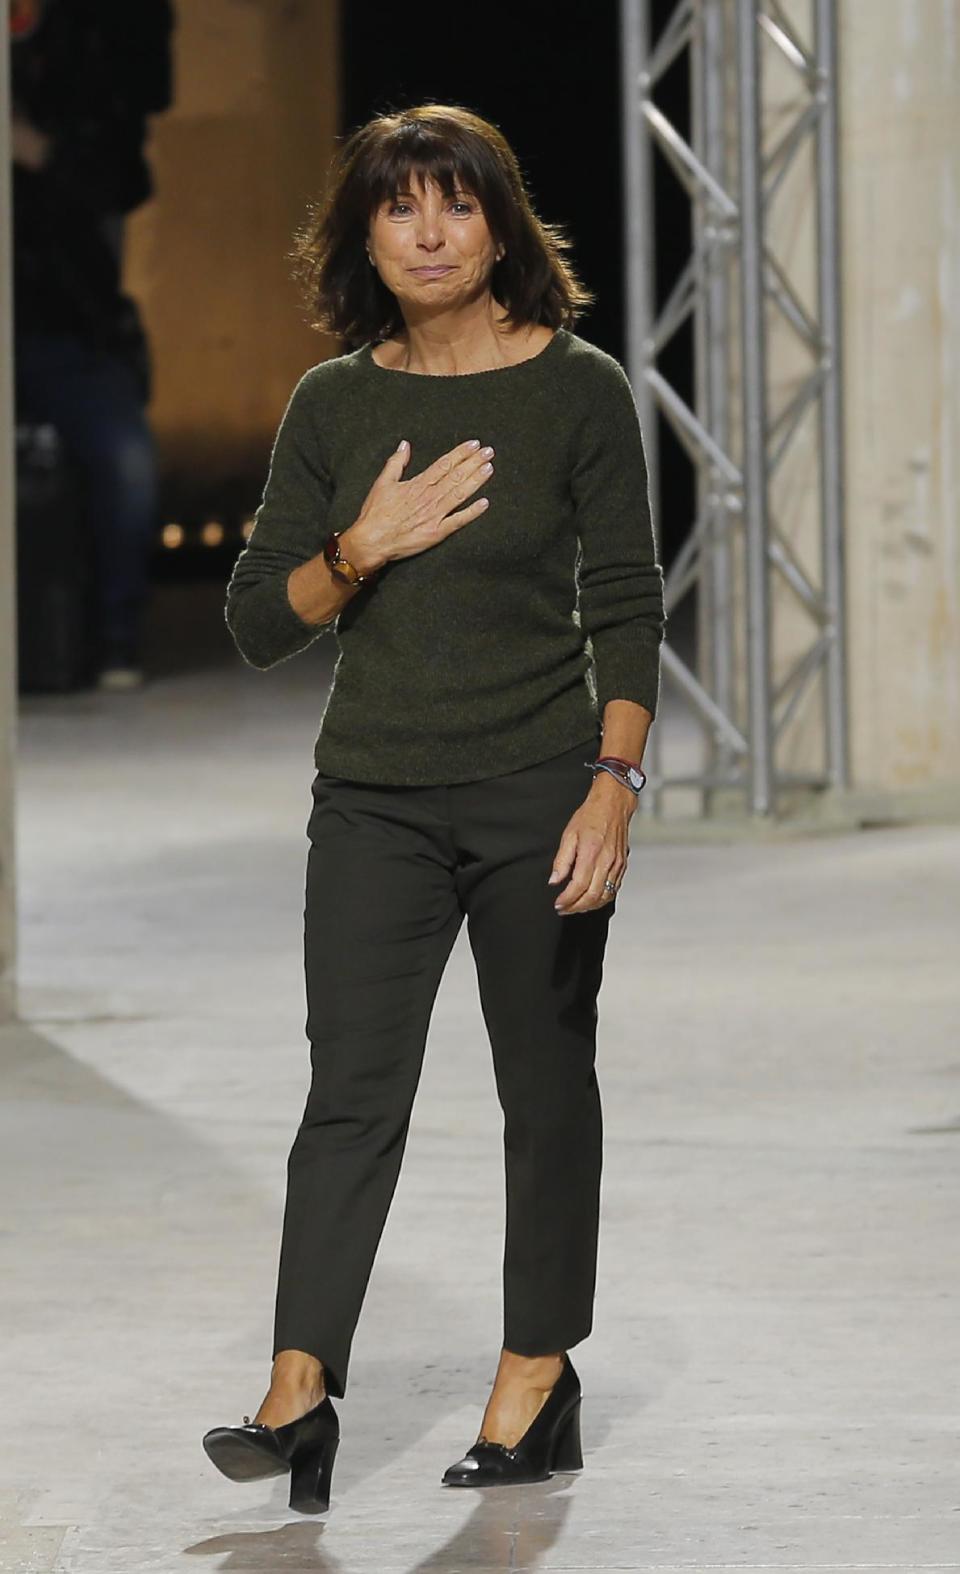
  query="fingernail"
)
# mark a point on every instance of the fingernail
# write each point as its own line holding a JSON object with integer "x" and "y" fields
{"x": 401, "y": 445}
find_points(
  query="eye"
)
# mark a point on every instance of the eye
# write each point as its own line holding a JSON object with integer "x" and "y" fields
{"x": 461, "y": 202}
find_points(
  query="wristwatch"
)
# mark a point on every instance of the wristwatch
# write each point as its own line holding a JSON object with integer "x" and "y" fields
{"x": 625, "y": 771}
{"x": 339, "y": 565}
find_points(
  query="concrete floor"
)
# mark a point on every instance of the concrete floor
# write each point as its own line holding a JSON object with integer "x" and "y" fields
{"x": 772, "y": 1378}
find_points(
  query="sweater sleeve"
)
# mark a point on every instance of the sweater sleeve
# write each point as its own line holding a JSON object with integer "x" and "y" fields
{"x": 288, "y": 530}
{"x": 620, "y": 581}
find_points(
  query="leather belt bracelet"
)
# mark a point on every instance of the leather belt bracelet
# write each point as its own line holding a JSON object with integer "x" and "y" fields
{"x": 627, "y": 773}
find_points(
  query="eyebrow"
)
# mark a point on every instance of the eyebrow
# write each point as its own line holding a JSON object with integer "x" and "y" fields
{"x": 459, "y": 189}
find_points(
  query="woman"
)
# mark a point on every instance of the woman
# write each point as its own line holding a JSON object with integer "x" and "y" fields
{"x": 450, "y": 760}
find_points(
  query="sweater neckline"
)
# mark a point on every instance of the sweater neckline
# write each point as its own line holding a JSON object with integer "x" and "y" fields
{"x": 450, "y": 377}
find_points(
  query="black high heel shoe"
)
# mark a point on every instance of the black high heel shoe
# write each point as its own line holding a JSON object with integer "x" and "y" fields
{"x": 306, "y": 1447}
{"x": 551, "y": 1443}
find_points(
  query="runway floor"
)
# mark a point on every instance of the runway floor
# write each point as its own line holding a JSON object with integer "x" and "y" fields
{"x": 771, "y": 1383}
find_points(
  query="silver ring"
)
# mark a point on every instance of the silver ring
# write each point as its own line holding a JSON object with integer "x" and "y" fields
{"x": 608, "y": 885}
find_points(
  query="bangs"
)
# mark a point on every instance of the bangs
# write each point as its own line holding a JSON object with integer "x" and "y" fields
{"x": 416, "y": 152}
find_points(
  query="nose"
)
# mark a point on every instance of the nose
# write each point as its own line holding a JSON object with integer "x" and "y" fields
{"x": 430, "y": 231}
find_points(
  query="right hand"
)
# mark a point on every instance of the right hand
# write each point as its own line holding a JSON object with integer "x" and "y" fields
{"x": 401, "y": 518}
{"x": 28, "y": 146}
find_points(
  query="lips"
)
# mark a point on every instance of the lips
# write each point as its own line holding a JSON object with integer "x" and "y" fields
{"x": 432, "y": 273}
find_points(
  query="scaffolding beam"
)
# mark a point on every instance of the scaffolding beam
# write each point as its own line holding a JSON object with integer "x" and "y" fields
{"x": 730, "y": 163}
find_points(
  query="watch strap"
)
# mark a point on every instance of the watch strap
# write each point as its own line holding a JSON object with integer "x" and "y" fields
{"x": 619, "y": 768}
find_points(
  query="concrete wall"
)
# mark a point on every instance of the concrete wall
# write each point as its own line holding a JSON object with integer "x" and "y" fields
{"x": 236, "y": 159}
{"x": 900, "y": 129}
{"x": 900, "y": 293}
{"x": 8, "y": 641}
{"x": 900, "y": 218}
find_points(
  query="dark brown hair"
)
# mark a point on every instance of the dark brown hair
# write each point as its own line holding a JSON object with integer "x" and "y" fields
{"x": 451, "y": 145}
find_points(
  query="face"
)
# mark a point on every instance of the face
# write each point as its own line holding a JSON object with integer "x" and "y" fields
{"x": 421, "y": 230}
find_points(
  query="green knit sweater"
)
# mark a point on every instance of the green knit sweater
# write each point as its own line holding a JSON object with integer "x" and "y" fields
{"x": 500, "y": 645}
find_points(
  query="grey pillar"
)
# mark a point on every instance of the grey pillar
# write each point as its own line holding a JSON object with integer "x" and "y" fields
{"x": 8, "y": 606}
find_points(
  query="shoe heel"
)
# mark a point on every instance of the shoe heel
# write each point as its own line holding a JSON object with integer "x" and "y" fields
{"x": 310, "y": 1475}
{"x": 567, "y": 1452}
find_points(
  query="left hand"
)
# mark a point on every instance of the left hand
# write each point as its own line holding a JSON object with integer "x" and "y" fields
{"x": 595, "y": 846}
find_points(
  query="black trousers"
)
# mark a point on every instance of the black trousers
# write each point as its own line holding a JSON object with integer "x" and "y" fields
{"x": 391, "y": 873}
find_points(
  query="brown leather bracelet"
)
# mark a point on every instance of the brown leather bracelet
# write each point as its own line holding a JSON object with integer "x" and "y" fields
{"x": 340, "y": 566}
{"x": 626, "y": 772}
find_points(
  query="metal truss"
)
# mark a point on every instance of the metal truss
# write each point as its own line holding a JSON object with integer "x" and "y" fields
{"x": 734, "y": 289}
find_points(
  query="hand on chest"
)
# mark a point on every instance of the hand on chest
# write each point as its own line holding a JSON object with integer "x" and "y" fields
{"x": 529, "y": 506}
